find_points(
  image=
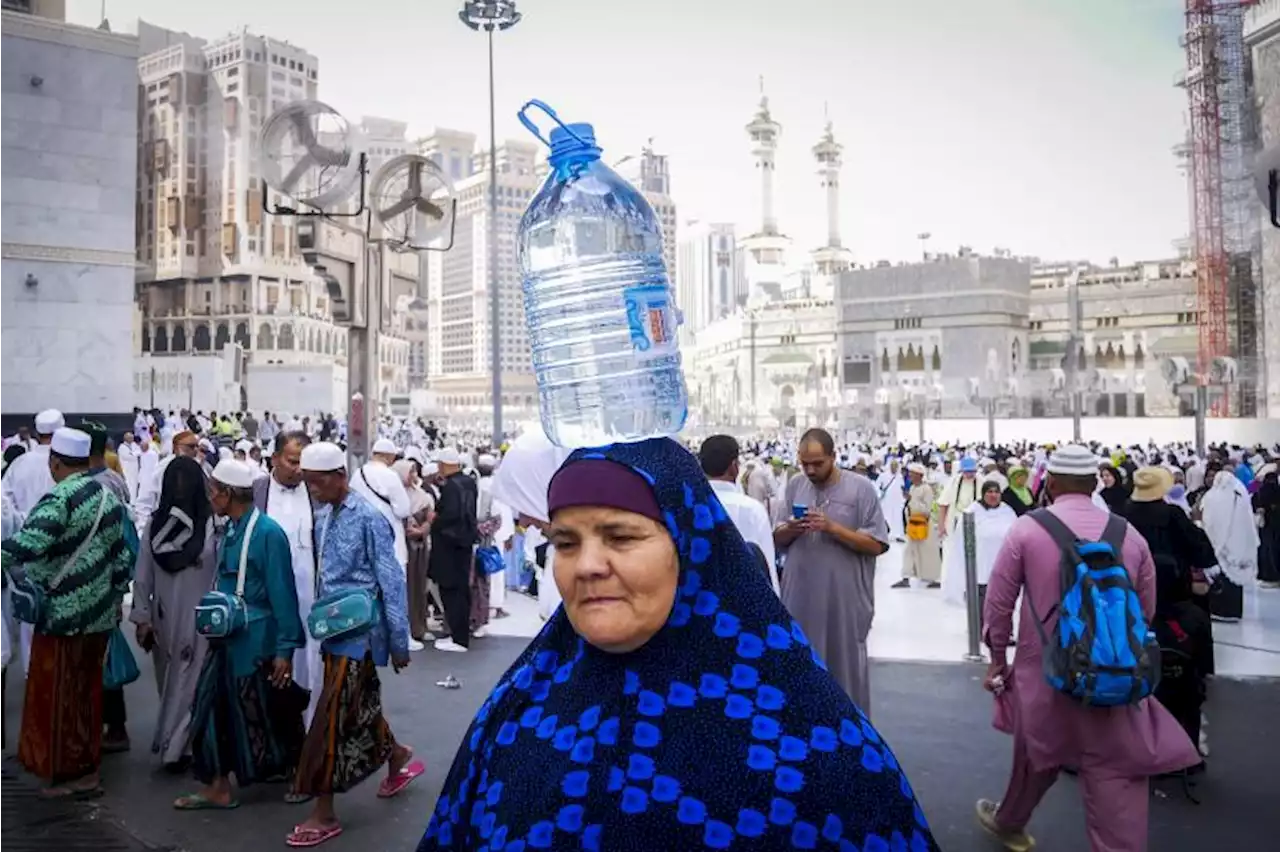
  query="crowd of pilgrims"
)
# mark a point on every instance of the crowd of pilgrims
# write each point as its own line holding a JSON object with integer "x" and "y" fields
{"x": 754, "y": 561}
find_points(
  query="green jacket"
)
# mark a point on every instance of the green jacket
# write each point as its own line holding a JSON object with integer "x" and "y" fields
{"x": 88, "y": 598}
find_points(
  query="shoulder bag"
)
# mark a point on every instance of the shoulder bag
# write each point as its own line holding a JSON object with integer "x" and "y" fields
{"x": 30, "y": 602}
{"x": 346, "y": 613}
{"x": 220, "y": 615}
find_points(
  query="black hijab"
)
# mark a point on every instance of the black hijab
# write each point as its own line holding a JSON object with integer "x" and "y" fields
{"x": 181, "y": 520}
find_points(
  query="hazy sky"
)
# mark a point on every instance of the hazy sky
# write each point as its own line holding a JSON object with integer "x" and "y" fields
{"x": 1041, "y": 126}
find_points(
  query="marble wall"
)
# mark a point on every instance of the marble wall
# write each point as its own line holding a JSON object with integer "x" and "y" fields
{"x": 68, "y": 167}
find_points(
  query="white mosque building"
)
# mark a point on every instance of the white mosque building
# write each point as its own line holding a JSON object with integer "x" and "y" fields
{"x": 774, "y": 363}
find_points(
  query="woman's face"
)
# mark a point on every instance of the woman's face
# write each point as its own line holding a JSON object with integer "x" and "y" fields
{"x": 1108, "y": 478}
{"x": 991, "y": 497}
{"x": 617, "y": 573}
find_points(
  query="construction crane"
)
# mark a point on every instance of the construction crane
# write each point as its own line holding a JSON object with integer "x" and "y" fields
{"x": 1216, "y": 94}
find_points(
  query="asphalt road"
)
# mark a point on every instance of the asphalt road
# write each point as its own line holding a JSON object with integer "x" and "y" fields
{"x": 936, "y": 716}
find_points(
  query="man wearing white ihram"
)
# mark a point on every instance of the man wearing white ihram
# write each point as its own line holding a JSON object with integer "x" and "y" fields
{"x": 26, "y": 481}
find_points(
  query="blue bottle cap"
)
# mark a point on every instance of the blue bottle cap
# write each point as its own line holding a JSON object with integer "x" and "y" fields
{"x": 574, "y": 140}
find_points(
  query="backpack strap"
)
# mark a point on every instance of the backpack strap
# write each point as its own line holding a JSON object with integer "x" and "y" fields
{"x": 1114, "y": 534}
{"x": 1066, "y": 541}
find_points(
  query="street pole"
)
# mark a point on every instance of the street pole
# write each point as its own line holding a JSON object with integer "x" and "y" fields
{"x": 490, "y": 15}
{"x": 495, "y": 337}
{"x": 153, "y": 390}
{"x": 1073, "y": 351}
{"x": 991, "y": 423}
{"x": 968, "y": 529}
{"x": 1202, "y": 406}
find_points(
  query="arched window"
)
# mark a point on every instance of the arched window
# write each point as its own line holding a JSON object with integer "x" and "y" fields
{"x": 146, "y": 338}
{"x": 286, "y": 336}
{"x": 1139, "y": 357}
{"x": 266, "y": 338}
{"x": 200, "y": 341}
{"x": 884, "y": 360}
{"x": 222, "y": 336}
{"x": 242, "y": 334}
{"x": 1015, "y": 356}
{"x": 162, "y": 339}
{"x": 935, "y": 360}
{"x": 179, "y": 338}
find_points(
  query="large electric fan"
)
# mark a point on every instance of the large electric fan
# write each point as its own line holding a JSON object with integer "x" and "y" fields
{"x": 413, "y": 200}
{"x": 308, "y": 153}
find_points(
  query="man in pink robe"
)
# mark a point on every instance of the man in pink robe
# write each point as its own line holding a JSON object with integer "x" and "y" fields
{"x": 1114, "y": 749}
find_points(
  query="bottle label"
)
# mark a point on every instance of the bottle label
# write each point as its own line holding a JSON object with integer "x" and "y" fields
{"x": 651, "y": 318}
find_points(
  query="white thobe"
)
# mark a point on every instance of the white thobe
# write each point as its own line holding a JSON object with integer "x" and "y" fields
{"x": 892, "y": 501}
{"x": 291, "y": 509}
{"x": 26, "y": 481}
{"x": 150, "y": 477}
{"x": 131, "y": 463}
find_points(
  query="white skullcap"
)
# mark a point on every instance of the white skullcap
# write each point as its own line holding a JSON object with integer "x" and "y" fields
{"x": 71, "y": 443}
{"x": 206, "y": 444}
{"x": 244, "y": 445}
{"x": 412, "y": 453}
{"x": 323, "y": 457}
{"x": 1073, "y": 460}
{"x": 234, "y": 473}
{"x": 384, "y": 445}
{"x": 449, "y": 456}
{"x": 916, "y": 467}
{"x": 49, "y": 421}
{"x": 430, "y": 469}
{"x": 486, "y": 460}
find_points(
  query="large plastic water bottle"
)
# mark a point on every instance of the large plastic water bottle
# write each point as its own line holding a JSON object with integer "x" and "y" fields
{"x": 601, "y": 314}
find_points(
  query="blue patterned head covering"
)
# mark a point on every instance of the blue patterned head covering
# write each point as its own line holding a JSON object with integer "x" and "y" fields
{"x": 723, "y": 730}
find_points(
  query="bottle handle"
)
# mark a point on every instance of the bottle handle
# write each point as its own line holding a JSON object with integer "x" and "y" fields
{"x": 533, "y": 128}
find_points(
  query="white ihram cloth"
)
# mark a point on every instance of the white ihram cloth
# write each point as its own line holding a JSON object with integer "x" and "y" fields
{"x": 151, "y": 470}
{"x": 291, "y": 509}
{"x": 751, "y": 520}
{"x": 521, "y": 482}
{"x": 25, "y": 482}
{"x": 487, "y": 505}
{"x": 381, "y": 486}
{"x": 1227, "y": 515}
{"x": 892, "y": 501}
{"x": 990, "y": 527}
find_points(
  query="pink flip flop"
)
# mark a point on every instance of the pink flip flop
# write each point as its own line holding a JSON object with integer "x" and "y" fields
{"x": 303, "y": 838}
{"x": 393, "y": 785}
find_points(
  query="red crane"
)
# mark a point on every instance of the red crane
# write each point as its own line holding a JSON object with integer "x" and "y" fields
{"x": 1205, "y": 45}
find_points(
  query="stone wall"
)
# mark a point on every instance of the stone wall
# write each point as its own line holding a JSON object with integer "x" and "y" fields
{"x": 1266, "y": 75}
{"x": 68, "y": 166}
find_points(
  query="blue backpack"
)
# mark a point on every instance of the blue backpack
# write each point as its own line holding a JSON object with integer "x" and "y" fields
{"x": 1103, "y": 654}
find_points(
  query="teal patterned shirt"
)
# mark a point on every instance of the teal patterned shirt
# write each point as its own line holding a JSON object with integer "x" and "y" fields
{"x": 88, "y": 598}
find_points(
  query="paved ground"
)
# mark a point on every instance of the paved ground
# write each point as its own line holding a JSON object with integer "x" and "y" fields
{"x": 935, "y": 715}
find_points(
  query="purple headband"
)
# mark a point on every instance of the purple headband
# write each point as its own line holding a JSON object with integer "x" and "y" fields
{"x": 600, "y": 482}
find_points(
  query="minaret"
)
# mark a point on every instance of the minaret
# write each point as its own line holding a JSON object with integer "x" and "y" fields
{"x": 764, "y": 146}
{"x": 832, "y": 258}
{"x": 766, "y": 248}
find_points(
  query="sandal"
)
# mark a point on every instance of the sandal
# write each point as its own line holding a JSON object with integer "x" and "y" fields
{"x": 72, "y": 794}
{"x": 294, "y": 798}
{"x": 392, "y": 785}
{"x": 200, "y": 802}
{"x": 303, "y": 837}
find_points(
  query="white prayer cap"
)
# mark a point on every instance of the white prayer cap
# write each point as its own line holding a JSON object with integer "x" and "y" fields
{"x": 224, "y": 453}
{"x": 412, "y": 453}
{"x": 323, "y": 457}
{"x": 206, "y": 444}
{"x": 385, "y": 445}
{"x": 244, "y": 445}
{"x": 486, "y": 460}
{"x": 235, "y": 474}
{"x": 71, "y": 443}
{"x": 916, "y": 467}
{"x": 1073, "y": 460}
{"x": 430, "y": 469}
{"x": 449, "y": 456}
{"x": 49, "y": 421}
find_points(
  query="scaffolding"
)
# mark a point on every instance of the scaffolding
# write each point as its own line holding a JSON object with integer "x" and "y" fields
{"x": 1225, "y": 234}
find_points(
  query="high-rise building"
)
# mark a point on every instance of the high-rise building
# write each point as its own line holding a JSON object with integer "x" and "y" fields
{"x": 709, "y": 281}
{"x": 648, "y": 173}
{"x": 458, "y": 280}
{"x": 214, "y": 266}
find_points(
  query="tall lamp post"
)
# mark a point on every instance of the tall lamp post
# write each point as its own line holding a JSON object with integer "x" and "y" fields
{"x": 490, "y": 15}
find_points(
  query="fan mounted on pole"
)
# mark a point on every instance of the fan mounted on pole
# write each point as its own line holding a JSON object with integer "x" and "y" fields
{"x": 413, "y": 200}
